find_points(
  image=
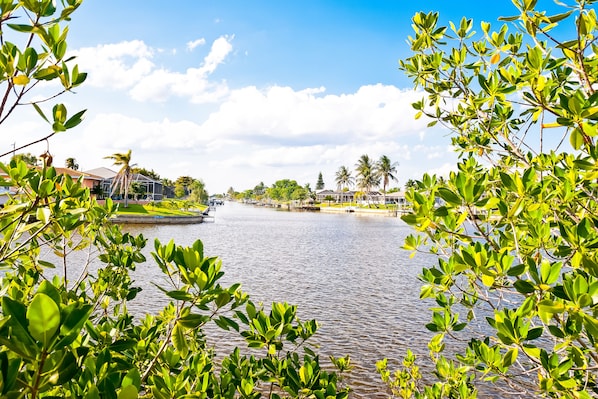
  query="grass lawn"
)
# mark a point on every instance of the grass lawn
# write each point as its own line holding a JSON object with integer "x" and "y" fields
{"x": 152, "y": 210}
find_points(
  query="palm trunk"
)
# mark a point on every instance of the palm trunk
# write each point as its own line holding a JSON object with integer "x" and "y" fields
{"x": 384, "y": 194}
{"x": 126, "y": 183}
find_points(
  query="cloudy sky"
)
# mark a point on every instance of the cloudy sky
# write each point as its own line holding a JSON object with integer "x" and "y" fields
{"x": 237, "y": 92}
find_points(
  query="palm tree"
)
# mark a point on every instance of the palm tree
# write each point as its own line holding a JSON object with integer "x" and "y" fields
{"x": 71, "y": 163}
{"x": 122, "y": 179}
{"x": 386, "y": 170}
{"x": 344, "y": 179}
{"x": 367, "y": 178}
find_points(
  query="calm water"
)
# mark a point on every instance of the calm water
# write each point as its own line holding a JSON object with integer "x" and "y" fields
{"x": 345, "y": 270}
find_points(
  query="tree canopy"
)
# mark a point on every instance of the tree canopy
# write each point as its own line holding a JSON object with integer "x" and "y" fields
{"x": 122, "y": 180}
{"x": 514, "y": 227}
{"x": 71, "y": 163}
{"x": 320, "y": 182}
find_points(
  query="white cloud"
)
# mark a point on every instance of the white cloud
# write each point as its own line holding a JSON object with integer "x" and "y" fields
{"x": 220, "y": 49}
{"x": 195, "y": 43}
{"x": 116, "y": 66}
{"x": 120, "y": 131}
{"x": 282, "y": 113}
{"x": 129, "y": 66}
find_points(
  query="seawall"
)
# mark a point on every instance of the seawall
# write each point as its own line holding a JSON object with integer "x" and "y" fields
{"x": 157, "y": 219}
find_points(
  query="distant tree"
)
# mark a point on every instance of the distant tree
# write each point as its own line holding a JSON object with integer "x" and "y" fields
{"x": 329, "y": 198}
{"x": 179, "y": 190}
{"x": 360, "y": 195}
{"x": 137, "y": 189}
{"x": 185, "y": 182}
{"x": 343, "y": 179}
{"x": 260, "y": 189}
{"x": 198, "y": 192}
{"x": 71, "y": 163}
{"x": 320, "y": 183}
{"x": 282, "y": 190}
{"x": 231, "y": 192}
{"x": 310, "y": 193}
{"x": 367, "y": 178}
{"x": 98, "y": 191}
{"x": 386, "y": 170}
{"x": 300, "y": 194}
{"x": 147, "y": 173}
{"x": 122, "y": 180}
{"x": 28, "y": 158}
{"x": 410, "y": 184}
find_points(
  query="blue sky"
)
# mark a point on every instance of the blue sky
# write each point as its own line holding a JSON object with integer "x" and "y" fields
{"x": 238, "y": 92}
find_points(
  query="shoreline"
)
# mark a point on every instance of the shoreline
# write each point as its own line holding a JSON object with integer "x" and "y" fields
{"x": 129, "y": 219}
{"x": 363, "y": 211}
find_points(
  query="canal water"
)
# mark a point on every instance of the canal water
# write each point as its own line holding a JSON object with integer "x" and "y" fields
{"x": 345, "y": 270}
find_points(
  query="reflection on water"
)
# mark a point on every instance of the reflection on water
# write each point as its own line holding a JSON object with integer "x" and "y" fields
{"x": 345, "y": 270}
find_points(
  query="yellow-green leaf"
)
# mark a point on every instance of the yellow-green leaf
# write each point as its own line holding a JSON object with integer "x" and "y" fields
{"x": 488, "y": 281}
{"x": 20, "y": 80}
{"x": 43, "y": 315}
{"x": 128, "y": 392}
{"x": 576, "y": 139}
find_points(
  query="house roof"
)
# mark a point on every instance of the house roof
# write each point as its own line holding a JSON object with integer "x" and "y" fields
{"x": 138, "y": 177}
{"x": 76, "y": 174}
{"x": 102, "y": 172}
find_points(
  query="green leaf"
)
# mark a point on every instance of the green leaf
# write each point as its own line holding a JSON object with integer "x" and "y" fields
{"x": 193, "y": 320}
{"x": 49, "y": 73}
{"x": 547, "y": 309}
{"x": 92, "y": 393}
{"x": 179, "y": 341}
{"x": 50, "y": 290}
{"x": 510, "y": 357}
{"x": 559, "y": 17}
{"x": 74, "y": 120}
{"x": 74, "y": 317}
{"x": 40, "y": 112}
{"x": 517, "y": 270}
{"x": 524, "y": 287}
{"x": 128, "y": 392}
{"x": 180, "y": 295}
{"x": 222, "y": 299}
{"x": 43, "y": 214}
{"x": 534, "y": 333}
{"x": 21, "y": 28}
{"x": 410, "y": 219}
{"x": 132, "y": 378}
{"x": 576, "y": 139}
{"x": 43, "y": 315}
{"x": 59, "y": 112}
{"x": 58, "y": 127}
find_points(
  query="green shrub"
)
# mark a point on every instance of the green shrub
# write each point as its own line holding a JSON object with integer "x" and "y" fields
{"x": 65, "y": 328}
{"x": 515, "y": 226}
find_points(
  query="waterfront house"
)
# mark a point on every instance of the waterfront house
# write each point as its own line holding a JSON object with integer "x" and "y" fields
{"x": 88, "y": 180}
{"x": 373, "y": 197}
{"x": 153, "y": 189}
